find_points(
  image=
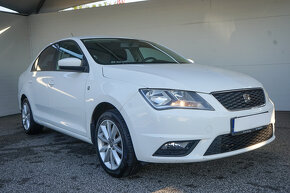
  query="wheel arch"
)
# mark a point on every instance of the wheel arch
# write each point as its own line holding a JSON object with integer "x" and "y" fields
{"x": 23, "y": 96}
{"x": 98, "y": 111}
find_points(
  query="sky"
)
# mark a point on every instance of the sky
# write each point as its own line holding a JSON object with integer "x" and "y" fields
{"x": 89, "y": 5}
{"x": 7, "y": 10}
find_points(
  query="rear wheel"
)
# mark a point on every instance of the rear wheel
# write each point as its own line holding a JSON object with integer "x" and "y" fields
{"x": 30, "y": 127}
{"x": 114, "y": 146}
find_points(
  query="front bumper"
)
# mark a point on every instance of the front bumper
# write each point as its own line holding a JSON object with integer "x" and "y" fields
{"x": 150, "y": 128}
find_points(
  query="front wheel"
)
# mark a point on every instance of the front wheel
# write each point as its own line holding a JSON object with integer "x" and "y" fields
{"x": 114, "y": 146}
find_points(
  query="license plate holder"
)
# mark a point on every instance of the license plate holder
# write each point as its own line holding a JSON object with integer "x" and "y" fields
{"x": 249, "y": 123}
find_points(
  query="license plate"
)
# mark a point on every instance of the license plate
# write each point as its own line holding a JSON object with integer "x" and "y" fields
{"x": 249, "y": 123}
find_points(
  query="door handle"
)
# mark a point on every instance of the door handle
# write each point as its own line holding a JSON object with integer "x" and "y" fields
{"x": 51, "y": 83}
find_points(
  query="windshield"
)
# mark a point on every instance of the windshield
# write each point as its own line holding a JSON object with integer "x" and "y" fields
{"x": 128, "y": 51}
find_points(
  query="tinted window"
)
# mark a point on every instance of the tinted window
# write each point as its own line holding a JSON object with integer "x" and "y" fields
{"x": 46, "y": 60}
{"x": 151, "y": 54}
{"x": 69, "y": 49}
{"x": 128, "y": 51}
{"x": 177, "y": 57}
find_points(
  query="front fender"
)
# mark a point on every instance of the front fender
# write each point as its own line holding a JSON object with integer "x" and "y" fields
{"x": 115, "y": 92}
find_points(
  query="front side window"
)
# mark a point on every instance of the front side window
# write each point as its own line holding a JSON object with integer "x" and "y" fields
{"x": 46, "y": 60}
{"x": 127, "y": 51}
{"x": 69, "y": 49}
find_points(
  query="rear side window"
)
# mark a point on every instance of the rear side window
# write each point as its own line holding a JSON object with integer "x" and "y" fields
{"x": 46, "y": 60}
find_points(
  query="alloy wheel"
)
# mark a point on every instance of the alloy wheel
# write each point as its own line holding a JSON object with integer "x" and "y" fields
{"x": 110, "y": 144}
{"x": 26, "y": 116}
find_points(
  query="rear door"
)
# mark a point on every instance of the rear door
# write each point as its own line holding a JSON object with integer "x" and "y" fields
{"x": 42, "y": 72}
{"x": 68, "y": 91}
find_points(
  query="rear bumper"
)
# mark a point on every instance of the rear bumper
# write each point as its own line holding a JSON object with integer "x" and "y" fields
{"x": 150, "y": 129}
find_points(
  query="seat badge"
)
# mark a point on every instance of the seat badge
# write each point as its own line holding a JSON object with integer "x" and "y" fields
{"x": 247, "y": 98}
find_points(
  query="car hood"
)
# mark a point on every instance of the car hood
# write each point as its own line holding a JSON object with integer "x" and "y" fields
{"x": 192, "y": 77}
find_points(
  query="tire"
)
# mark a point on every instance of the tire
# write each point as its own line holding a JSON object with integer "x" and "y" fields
{"x": 28, "y": 123}
{"x": 108, "y": 145}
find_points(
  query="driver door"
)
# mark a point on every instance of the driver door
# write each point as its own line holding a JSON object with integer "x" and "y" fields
{"x": 68, "y": 91}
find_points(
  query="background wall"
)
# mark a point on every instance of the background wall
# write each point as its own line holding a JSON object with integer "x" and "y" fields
{"x": 249, "y": 36}
{"x": 14, "y": 59}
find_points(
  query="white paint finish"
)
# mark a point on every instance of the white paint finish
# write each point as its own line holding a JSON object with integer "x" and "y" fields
{"x": 41, "y": 100}
{"x": 66, "y": 62}
{"x": 68, "y": 101}
{"x": 180, "y": 76}
{"x": 14, "y": 54}
{"x": 158, "y": 127}
{"x": 69, "y": 104}
{"x": 239, "y": 35}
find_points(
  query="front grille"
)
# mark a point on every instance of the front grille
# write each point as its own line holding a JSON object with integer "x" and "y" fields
{"x": 228, "y": 142}
{"x": 241, "y": 99}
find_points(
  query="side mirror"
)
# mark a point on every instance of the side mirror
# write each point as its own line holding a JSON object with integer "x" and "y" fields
{"x": 73, "y": 64}
{"x": 191, "y": 61}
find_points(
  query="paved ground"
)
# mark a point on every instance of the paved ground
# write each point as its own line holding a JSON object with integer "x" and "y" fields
{"x": 53, "y": 162}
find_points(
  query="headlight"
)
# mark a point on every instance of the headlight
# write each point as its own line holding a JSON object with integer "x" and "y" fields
{"x": 167, "y": 99}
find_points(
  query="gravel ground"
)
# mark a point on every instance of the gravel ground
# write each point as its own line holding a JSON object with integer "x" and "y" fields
{"x": 53, "y": 162}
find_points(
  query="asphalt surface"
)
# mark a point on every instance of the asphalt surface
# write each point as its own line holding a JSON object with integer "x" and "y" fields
{"x": 53, "y": 162}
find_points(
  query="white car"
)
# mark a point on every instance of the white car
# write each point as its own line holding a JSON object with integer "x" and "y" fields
{"x": 137, "y": 101}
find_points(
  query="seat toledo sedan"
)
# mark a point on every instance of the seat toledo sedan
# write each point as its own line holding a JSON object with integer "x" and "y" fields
{"x": 137, "y": 101}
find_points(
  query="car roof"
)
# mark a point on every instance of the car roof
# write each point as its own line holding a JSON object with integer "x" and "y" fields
{"x": 94, "y": 37}
{"x": 91, "y": 37}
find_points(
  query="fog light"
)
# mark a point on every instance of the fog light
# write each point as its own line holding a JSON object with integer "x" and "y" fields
{"x": 176, "y": 148}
